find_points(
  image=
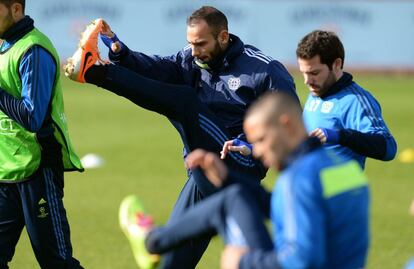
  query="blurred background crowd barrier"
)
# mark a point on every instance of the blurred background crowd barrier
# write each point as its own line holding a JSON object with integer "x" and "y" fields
{"x": 377, "y": 34}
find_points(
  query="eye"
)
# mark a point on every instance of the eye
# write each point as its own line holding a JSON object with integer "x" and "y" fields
{"x": 260, "y": 139}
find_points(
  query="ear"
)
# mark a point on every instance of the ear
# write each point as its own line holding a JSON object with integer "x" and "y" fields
{"x": 337, "y": 65}
{"x": 223, "y": 37}
{"x": 284, "y": 120}
{"x": 288, "y": 124}
{"x": 17, "y": 11}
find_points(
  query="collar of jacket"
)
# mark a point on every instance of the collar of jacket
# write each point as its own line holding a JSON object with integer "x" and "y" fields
{"x": 308, "y": 145}
{"x": 343, "y": 82}
{"x": 235, "y": 48}
{"x": 18, "y": 30}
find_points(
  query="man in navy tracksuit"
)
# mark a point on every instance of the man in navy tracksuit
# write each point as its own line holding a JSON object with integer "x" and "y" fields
{"x": 319, "y": 206}
{"x": 211, "y": 84}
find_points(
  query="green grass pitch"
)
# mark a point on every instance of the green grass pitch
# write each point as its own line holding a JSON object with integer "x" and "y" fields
{"x": 142, "y": 155}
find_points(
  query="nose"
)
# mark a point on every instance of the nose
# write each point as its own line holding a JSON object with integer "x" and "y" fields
{"x": 256, "y": 151}
{"x": 194, "y": 51}
{"x": 307, "y": 79}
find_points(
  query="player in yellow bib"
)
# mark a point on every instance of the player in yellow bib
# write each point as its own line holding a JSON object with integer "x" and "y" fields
{"x": 35, "y": 148}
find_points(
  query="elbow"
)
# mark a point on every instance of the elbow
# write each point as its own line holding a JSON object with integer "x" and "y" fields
{"x": 30, "y": 126}
{"x": 29, "y": 118}
{"x": 391, "y": 149}
{"x": 303, "y": 263}
{"x": 302, "y": 259}
{"x": 33, "y": 125}
{"x": 33, "y": 129}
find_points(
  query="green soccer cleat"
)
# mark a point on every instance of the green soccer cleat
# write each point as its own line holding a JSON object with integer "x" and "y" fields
{"x": 136, "y": 224}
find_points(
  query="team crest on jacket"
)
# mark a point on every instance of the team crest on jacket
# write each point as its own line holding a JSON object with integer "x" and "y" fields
{"x": 234, "y": 83}
{"x": 327, "y": 106}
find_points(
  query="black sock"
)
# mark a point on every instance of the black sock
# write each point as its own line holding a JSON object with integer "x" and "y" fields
{"x": 96, "y": 74}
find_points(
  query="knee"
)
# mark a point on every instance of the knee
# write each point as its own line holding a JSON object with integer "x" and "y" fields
{"x": 152, "y": 242}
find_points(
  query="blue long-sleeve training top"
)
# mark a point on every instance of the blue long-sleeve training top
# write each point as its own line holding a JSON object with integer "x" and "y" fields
{"x": 37, "y": 70}
{"x": 319, "y": 213}
{"x": 353, "y": 111}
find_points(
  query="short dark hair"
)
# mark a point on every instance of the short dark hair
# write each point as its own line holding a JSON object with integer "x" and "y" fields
{"x": 212, "y": 16}
{"x": 271, "y": 105}
{"x": 323, "y": 43}
{"x": 8, "y": 3}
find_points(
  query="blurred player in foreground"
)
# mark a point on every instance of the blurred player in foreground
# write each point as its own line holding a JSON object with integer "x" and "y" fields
{"x": 319, "y": 206}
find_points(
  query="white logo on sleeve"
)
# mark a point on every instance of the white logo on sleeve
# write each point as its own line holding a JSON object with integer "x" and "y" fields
{"x": 234, "y": 83}
{"x": 327, "y": 106}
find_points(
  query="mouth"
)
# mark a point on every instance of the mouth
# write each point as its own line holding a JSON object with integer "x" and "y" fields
{"x": 314, "y": 88}
{"x": 204, "y": 59}
{"x": 266, "y": 162}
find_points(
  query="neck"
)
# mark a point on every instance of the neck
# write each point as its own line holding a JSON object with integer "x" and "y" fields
{"x": 297, "y": 139}
{"x": 225, "y": 46}
{"x": 339, "y": 74}
{"x": 300, "y": 146}
{"x": 19, "y": 18}
{"x": 18, "y": 29}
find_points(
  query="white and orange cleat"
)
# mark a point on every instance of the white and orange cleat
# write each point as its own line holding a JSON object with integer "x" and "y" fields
{"x": 87, "y": 53}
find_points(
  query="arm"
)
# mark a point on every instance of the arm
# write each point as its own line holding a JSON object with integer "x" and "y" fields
{"x": 235, "y": 257}
{"x": 368, "y": 125}
{"x": 366, "y": 132}
{"x": 37, "y": 71}
{"x": 220, "y": 176}
{"x": 259, "y": 259}
{"x": 298, "y": 221}
{"x": 279, "y": 79}
{"x": 381, "y": 146}
{"x": 236, "y": 145}
{"x": 166, "y": 69}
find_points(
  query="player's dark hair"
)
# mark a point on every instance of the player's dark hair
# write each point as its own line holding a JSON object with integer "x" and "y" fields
{"x": 212, "y": 16}
{"x": 323, "y": 43}
{"x": 8, "y": 3}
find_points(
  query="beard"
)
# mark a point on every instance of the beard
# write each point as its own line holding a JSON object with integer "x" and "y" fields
{"x": 216, "y": 56}
{"x": 217, "y": 51}
{"x": 7, "y": 23}
{"x": 329, "y": 82}
{"x": 326, "y": 85}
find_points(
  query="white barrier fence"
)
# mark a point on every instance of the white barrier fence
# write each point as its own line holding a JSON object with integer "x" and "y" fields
{"x": 376, "y": 34}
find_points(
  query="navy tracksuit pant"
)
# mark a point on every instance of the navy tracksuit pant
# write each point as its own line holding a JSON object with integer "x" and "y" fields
{"x": 234, "y": 213}
{"x": 198, "y": 127}
{"x": 36, "y": 204}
